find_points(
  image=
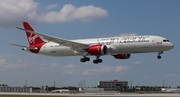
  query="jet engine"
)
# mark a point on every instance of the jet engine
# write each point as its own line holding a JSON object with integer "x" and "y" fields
{"x": 122, "y": 56}
{"x": 97, "y": 50}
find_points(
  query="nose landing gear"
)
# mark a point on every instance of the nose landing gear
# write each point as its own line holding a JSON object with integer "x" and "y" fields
{"x": 159, "y": 55}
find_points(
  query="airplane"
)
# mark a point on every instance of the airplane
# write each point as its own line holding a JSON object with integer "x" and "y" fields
{"x": 118, "y": 47}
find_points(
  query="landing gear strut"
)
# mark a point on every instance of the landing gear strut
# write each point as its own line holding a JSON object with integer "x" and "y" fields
{"x": 159, "y": 55}
{"x": 85, "y": 59}
{"x": 97, "y": 60}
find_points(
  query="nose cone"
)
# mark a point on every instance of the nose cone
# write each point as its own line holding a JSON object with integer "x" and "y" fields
{"x": 171, "y": 46}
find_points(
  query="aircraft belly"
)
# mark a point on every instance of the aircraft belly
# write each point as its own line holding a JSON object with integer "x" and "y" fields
{"x": 64, "y": 52}
{"x": 58, "y": 51}
{"x": 135, "y": 48}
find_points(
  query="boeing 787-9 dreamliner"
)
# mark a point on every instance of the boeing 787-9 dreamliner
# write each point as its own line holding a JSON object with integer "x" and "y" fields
{"x": 118, "y": 47}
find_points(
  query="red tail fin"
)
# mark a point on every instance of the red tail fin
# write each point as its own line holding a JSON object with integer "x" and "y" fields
{"x": 32, "y": 38}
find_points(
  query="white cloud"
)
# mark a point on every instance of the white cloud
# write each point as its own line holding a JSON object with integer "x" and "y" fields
{"x": 54, "y": 64}
{"x": 19, "y": 61}
{"x": 43, "y": 69}
{"x": 137, "y": 62}
{"x": 8, "y": 61}
{"x": 147, "y": 76}
{"x": 120, "y": 68}
{"x": 2, "y": 61}
{"x": 169, "y": 75}
{"x": 12, "y": 63}
{"x": 70, "y": 66}
{"x": 69, "y": 12}
{"x": 71, "y": 69}
{"x": 104, "y": 69}
{"x": 15, "y": 11}
{"x": 69, "y": 72}
{"x": 4, "y": 65}
{"x": 90, "y": 71}
{"x": 51, "y": 6}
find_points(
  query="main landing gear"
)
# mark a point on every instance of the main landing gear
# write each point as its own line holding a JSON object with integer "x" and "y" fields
{"x": 159, "y": 55}
{"x": 85, "y": 59}
{"x": 96, "y": 61}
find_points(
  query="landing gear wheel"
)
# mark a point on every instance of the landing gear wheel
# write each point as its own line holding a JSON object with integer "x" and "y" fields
{"x": 159, "y": 57}
{"x": 99, "y": 60}
{"x": 95, "y": 61}
{"x": 82, "y": 60}
{"x": 85, "y": 59}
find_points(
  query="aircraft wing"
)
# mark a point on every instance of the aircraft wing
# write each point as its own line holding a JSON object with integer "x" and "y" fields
{"x": 79, "y": 47}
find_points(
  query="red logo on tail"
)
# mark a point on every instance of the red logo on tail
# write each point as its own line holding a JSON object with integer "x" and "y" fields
{"x": 32, "y": 38}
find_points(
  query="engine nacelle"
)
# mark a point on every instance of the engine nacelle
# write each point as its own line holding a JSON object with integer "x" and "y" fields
{"x": 122, "y": 56}
{"x": 97, "y": 50}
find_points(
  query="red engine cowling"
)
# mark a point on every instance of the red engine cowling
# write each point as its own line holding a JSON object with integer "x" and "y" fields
{"x": 122, "y": 56}
{"x": 97, "y": 50}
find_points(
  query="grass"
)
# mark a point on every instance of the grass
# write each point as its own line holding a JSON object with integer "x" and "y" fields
{"x": 28, "y": 96}
{"x": 38, "y": 96}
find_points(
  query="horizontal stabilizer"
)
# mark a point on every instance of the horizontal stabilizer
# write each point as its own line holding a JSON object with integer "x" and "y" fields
{"x": 18, "y": 45}
{"x": 24, "y": 47}
{"x": 20, "y": 28}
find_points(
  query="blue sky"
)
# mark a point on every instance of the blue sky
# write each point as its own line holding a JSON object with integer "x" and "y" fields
{"x": 99, "y": 18}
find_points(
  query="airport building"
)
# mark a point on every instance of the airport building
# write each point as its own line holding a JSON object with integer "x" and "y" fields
{"x": 16, "y": 89}
{"x": 113, "y": 85}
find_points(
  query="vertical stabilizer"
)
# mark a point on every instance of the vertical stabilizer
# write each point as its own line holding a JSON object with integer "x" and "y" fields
{"x": 32, "y": 38}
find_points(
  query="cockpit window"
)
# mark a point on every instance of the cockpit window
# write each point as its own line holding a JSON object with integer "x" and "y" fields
{"x": 166, "y": 40}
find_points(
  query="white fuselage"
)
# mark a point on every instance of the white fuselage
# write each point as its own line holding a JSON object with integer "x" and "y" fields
{"x": 115, "y": 45}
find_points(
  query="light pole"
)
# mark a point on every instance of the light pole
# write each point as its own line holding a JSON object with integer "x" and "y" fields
{"x": 54, "y": 84}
